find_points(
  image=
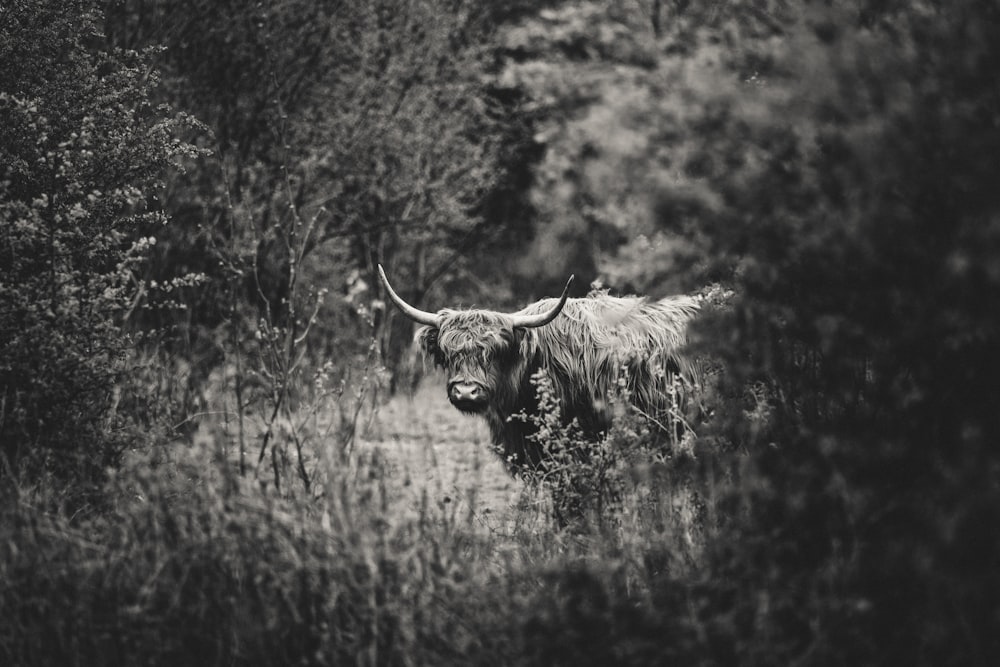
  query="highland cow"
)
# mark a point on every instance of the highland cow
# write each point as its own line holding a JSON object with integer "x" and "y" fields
{"x": 589, "y": 348}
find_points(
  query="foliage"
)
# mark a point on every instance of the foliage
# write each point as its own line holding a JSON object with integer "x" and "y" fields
{"x": 833, "y": 163}
{"x": 641, "y": 463}
{"x": 828, "y": 166}
{"x": 82, "y": 149}
{"x": 375, "y": 122}
{"x": 578, "y": 471}
{"x": 847, "y": 192}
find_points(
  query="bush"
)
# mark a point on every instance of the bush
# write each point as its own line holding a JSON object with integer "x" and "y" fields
{"x": 81, "y": 151}
{"x": 641, "y": 477}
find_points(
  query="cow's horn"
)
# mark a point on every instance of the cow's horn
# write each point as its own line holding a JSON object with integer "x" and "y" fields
{"x": 529, "y": 321}
{"x": 415, "y": 314}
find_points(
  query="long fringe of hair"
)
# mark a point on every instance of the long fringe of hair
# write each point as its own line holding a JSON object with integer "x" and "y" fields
{"x": 600, "y": 341}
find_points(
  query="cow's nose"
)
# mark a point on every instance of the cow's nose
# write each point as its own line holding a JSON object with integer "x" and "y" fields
{"x": 466, "y": 395}
{"x": 466, "y": 391}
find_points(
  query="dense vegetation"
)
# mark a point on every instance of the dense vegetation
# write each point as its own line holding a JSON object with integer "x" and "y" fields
{"x": 194, "y": 196}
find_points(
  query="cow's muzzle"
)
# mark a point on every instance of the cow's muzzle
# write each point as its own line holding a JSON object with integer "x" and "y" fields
{"x": 467, "y": 396}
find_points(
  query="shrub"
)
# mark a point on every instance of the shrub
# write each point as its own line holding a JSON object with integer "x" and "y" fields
{"x": 641, "y": 475}
{"x": 81, "y": 150}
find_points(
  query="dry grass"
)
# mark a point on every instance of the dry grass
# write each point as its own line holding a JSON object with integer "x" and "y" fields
{"x": 410, "y": 546}
{"x": 433, "y": 449}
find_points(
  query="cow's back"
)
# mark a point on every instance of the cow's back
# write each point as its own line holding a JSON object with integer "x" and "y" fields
{"x": 599, "y": 341}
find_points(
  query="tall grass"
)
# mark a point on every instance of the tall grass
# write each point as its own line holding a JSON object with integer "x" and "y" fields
{"x": 196, "y": 568}
{"x": 193, "y": 563}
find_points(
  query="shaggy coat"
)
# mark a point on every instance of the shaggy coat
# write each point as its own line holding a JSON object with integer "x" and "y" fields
{"x": 595, "y": 347}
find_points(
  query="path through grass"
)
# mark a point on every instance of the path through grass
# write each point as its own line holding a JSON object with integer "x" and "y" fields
{"x": 432, "y": 448}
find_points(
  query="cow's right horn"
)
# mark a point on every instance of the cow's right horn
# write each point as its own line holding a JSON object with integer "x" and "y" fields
{"x": 415, "y": 314}
{"x": 541, "y": 319}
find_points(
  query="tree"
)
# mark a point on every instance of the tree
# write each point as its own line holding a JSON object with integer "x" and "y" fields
{"x": 82, "y": 150}
{"x": 378, "y": 121}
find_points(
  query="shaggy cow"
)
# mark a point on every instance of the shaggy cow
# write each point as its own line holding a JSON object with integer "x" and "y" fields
{"x": 589, "y": 348}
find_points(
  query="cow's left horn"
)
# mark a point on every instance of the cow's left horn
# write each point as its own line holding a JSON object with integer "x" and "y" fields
{"x": 415, "y": 314}
{"x": 530, "y": 321}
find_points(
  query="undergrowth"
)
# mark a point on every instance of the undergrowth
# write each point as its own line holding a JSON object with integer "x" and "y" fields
{"x": 642, "y": 477}
{"x": 190, "y": 562}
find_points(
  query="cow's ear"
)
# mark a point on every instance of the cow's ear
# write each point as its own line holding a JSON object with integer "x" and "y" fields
{"x": 517, "y": 335}
{"x": 427, "y": 338}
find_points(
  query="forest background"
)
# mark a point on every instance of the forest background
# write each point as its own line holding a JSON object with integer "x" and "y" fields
{"x": 194, "y": 198}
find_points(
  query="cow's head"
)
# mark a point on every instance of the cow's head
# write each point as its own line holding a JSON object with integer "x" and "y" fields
{"x": 479, "y": 349}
